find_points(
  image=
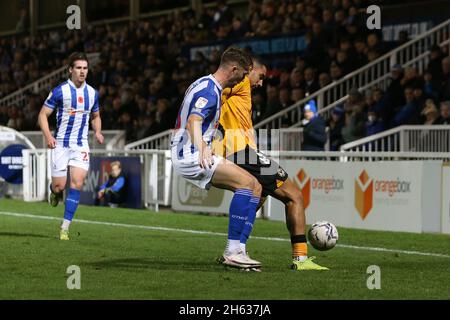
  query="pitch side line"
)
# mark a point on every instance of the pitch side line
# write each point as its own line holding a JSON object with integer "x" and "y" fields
{"x": 124, "y": 225}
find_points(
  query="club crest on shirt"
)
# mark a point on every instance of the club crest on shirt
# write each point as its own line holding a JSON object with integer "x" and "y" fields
{"x": 201, "y": 103}
{"x": 281, "y": 172}
{"x": 80, "y": 100}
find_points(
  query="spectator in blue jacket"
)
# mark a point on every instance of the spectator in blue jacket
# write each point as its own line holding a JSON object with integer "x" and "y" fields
{"x": 113, "y": 191}
{"x": 314, "y": 135}
{"x": 374, "y": 124}
{"x": 406, "y": 113}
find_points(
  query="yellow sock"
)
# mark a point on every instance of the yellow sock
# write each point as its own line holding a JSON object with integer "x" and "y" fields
{"x": 299, "y": 249}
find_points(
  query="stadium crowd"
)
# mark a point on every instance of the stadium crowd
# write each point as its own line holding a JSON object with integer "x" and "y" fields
{"x": 142, "y": 73}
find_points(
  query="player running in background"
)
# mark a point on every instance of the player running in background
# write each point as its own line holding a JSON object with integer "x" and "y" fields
{"x": 239, "y": 145}
{"x": 193, "y": 159}
{"x": 75, "y": 102}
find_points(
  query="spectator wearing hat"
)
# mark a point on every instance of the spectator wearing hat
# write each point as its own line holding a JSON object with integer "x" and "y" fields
{"x": 314, "y": 135}
{"x": 336, "y": 123}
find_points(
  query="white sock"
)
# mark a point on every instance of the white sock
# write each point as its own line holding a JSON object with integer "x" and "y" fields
{"x": 65, "y": 225}
{"x": 301, "y": 258}
{"x": 232, "y": 247}
{"x": 242, "y": 247}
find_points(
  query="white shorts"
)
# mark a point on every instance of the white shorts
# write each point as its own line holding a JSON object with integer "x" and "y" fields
{"x": 190, "y": 169}
{"x": 64, "y": 157}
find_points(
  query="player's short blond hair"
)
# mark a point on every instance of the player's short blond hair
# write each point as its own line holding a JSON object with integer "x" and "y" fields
{"x": 116, "y": 163}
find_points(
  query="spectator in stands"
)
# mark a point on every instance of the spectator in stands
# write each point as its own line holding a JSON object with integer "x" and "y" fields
{"x": 374, "y": 124}
{"x": 435, "y": 64}
{"x": 272, "y": 102}
{"x": 354, "y": 117}
{"x": 430, "y": 112}
{"x": 112, "y": 193}
{"x": 395, "y": 91}
{"x": 309, "y": 83}
{"x": 429, "y": 87}
{"x": 284, "y": 98}
{"x": 336, "y": 123}
{"x": 444, "y": 117}
{"x": 445, "y": 83}
{"x": 133, "y": 56}
{"x": 407, "y": 114}
{"x": 314, "y": 134}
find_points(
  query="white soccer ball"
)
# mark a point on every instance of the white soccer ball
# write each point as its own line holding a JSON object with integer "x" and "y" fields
{"x": 323, "y": 235}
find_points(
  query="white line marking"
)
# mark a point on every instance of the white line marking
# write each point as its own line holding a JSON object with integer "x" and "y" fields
{"x": 124, "y": 225}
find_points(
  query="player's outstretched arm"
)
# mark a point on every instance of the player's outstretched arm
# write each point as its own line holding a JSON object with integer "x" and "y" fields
{"x": 43, "y": 124}
{"x": 97, "y": 126}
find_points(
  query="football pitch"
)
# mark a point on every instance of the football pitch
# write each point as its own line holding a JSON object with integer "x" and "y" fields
{"x": 140, "y": 254}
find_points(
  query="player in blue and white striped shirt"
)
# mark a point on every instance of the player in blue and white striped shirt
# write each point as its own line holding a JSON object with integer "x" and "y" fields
{"x": 192, "y": 156}
{"x": 75, "y": 102}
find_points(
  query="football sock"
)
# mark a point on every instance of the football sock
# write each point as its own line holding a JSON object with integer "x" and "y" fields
{"x": 299, "y": 247}
{"x": 232, "y": 247}
{"x": 65, "y": 225}
{"x": 72, "y": 200}
{"x": 248, "y": 225}
{"x": 239, "y": 209}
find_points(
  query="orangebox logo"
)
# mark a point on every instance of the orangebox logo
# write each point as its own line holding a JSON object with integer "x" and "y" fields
{"x": 363, "y": 194}
{"x": 304, "y": 183}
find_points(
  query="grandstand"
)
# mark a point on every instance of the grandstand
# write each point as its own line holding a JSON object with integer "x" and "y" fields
{"x": 383, "y": 174}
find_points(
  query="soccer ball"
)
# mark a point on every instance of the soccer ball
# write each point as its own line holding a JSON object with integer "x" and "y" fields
{"x": 323, "y": 235}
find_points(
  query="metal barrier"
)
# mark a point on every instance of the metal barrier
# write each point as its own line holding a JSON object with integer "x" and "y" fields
{"x": 156, "y": 177}
{"x": 414, "y": 53}
{"x": 157, "y": 141}
{"x": 284, "y": 139}
{"x": 157, "y": 168}
{"x": 8, "y": 135}
{"x": 19, "y": 97}
{"x": 114, "y": 139}
{"x": 358, "y": 156}
{"x": 418, "y": 138}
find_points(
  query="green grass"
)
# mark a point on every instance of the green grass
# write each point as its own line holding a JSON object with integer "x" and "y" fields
{"x": 132, "y": 263}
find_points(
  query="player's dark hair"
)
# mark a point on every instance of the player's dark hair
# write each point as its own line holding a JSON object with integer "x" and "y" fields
{"x": 258, "y": 61}
{"x": 235, "y": 55}
{"x": 77, "y": 56}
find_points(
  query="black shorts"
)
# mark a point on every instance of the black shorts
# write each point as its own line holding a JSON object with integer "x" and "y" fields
{"x": 268, "y": 172}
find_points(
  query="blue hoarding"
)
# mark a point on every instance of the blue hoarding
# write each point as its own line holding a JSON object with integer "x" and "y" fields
{"x": 99, "y": 170}
{"x": 11, "y": 163}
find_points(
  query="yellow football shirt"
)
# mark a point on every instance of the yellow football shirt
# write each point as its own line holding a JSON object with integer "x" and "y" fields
{"x": 236, "y": 119}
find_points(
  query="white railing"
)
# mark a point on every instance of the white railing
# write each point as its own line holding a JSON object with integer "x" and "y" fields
{"x": 114, "y": 139}
{"x": 11, "y": 135}
{"x": 357, "y": 156}
{"x": 155, "y": 179}
{"x": 34, "y": 174}
{"x": 19, "y": 97}
{"x": 289, "y": 139}
{"x": 417, "y": 138}
{"x": 413, "y": 53}
{"x": 158, "y": 141}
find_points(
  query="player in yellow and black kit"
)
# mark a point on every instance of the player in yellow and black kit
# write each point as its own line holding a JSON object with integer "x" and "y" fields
{"x": 239, "y": 145}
